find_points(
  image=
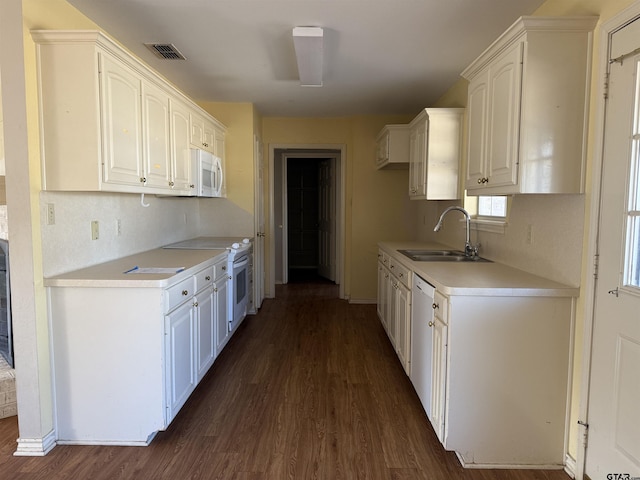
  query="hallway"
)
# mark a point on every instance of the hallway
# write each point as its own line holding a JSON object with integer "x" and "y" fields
{"x": 309, "y": 388}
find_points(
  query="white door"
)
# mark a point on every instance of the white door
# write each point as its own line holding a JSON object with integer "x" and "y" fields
{"x": 326, "y": 220}
{"x": 614, "y": 392}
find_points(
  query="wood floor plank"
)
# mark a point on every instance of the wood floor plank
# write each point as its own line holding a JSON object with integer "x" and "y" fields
{"x": 310, "y": 388}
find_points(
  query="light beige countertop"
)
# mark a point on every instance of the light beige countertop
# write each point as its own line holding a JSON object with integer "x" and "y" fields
{"x": 112, "y": 274}
{"x": 477, "y": 278}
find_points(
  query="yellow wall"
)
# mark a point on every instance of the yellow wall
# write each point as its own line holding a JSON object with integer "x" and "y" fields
{"x": 376, "y": 201}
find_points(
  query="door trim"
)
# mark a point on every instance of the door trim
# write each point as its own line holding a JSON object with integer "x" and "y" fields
{"x": 611, "y": 26}
{"x": 300, "y": 151}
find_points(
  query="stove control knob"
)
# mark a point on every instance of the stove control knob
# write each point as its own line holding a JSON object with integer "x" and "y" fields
{"x": 235, "y": 246}
{"x": 245, "y": 241}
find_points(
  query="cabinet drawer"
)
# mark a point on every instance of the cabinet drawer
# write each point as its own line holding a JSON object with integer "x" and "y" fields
{"x": 204, "y": 278}
{"x": 441, "y": 307}
{"x": 401, "y": 272}
{"x": 220, "y": 269}
{"x": 178, "y": 293}
{"x": 383, "y": 257}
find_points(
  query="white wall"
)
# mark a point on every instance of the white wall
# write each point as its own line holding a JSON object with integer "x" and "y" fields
{"x": 67, "y": 244}
{"x": 556, "y": 221}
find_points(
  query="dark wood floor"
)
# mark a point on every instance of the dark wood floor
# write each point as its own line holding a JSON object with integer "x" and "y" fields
{"x": 309, "y": 388}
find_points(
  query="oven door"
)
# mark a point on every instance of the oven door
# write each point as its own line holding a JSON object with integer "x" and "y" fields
{"x": 239, "y": 291}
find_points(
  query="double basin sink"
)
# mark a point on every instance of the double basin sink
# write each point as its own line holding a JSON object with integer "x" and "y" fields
{"x": 440, "y": 256}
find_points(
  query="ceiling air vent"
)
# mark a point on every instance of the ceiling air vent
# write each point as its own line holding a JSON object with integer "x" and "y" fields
{"x": 165, "y": 50}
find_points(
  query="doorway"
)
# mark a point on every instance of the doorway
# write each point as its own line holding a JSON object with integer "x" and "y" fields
{"x": 307, "y": 212}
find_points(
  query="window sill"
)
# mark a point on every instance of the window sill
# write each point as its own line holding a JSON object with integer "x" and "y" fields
{"x": 484, "y": 225}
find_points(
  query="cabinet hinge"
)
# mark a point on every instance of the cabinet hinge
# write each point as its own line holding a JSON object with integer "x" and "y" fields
{"x": 606, "y": 85}
{"x": 596, "y": 264}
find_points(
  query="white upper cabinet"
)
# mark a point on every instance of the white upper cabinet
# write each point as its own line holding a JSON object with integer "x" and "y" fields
{"x": 180, "y": 148}
{"x": 157, "y": 139}
{"x": 527, "y": 108}
{"x": 108, "y": 122}
{"x": 435, "y": 145}
{"x": 392, "y": 147}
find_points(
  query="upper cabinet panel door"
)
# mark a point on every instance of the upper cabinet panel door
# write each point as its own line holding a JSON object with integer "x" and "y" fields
{"x": 121, "y": 123}
{"x": 181, "y": 150}
{"x": 477, "y": 125}
{"x": 157, "y": 148}
{"x": 504, "y": 113}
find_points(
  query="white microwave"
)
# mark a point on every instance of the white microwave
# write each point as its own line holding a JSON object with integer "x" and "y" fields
{"x": 207, "y": 174}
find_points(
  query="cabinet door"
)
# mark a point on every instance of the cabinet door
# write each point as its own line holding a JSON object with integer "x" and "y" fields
{"x": 439, "y": 377}
{"x": 121, "y": 123}
{"x": 403, "y": 325}
{"x": 477, "y": 107}
{"x": 180, "y": 148}
{"x": 157, "y": 144}
{"x": 180, "y": 365}
{"x": 208, "y": 137}
{"x": 221, "y": 319}
{"x": 505, "y": 85}
{"x": 417, "y": 161}
{"x": 205, "y": 327}
{"x": 381, "y": 292}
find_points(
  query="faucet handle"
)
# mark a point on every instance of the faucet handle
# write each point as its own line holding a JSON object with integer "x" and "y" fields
{"x": 472, "y": 250}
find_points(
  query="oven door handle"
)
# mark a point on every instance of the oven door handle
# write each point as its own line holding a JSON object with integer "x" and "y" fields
{"x": 240, "y": 263}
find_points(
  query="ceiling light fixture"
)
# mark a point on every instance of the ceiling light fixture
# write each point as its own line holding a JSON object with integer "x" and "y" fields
{"x": 307, "y": 42}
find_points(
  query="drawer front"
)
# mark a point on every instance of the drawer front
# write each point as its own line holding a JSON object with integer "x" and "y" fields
{"x": 178, "y": 293}
{"x": 441, "y": 307}
{"x": 220, "y": 269}
{"x": 401, "y": 272}
{"x": 204, "y": 278}
{"x": 383, "y": 257}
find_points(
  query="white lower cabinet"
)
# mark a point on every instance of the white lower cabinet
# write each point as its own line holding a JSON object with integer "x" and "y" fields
{"x": 180, "y": 333}
{"x": 500, "y": 378}
{"x": 493, "y": 372}
{"x": 123, "y": 371}
{"x": 394, "y": 305}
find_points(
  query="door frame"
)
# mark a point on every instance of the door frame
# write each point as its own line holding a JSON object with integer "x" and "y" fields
{"x": 285, "y": 196}
{"x": 610, "y": 27}
{"x": 309, "y": 151}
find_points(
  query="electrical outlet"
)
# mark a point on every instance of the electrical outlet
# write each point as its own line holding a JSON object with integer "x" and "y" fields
{"x": 118, "y": 227}
{"x": 95, "y": 230}
{"x": 51, "y": 214}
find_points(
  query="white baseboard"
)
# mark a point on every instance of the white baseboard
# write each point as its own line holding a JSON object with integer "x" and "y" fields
{"x": 363, "y": 301}
{"x": 35, "y": 447}
{"x": 570, "y": 465}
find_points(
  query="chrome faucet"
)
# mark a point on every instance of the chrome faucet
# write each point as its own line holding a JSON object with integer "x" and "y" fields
{"x": 469, "y": 250}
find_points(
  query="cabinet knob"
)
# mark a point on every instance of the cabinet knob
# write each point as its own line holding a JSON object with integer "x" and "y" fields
{"x": 195, "y": 304}
{"x": 143, "y": 180}
{"x": 171, "y": 184}
{"x": 431, "y": 324}
{"x": 185, "y": 292}
{"x": 207, "y": 278}
{"x": 224, "y": 267}
{"x": 192, "y": 186}
{"x": 435, "y": 306}
{"x": 215, "y": 289}
{"x": 480, "y": 181}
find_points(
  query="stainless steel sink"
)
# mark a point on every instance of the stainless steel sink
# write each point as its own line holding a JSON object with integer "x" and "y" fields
{"x": 440, "y": 256}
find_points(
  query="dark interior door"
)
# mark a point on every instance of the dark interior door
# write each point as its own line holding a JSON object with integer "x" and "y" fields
{"x": 302, "y": 214}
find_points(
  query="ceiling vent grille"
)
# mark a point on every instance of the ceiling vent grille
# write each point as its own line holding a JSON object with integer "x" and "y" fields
{"x": 165, "y": 50}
